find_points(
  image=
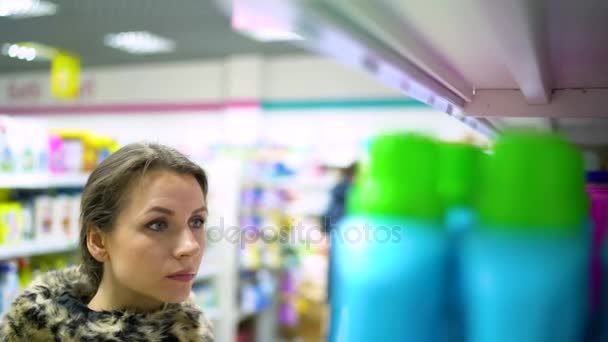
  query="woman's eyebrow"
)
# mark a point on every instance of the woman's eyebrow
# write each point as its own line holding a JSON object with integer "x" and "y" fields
{"x": 162, "y": 210}
{"x": 201, "y": 209}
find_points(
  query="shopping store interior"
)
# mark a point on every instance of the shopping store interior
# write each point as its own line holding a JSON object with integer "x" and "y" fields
{"x": 469, "y": 139}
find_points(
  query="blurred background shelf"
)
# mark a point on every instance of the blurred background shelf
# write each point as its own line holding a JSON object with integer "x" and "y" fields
{"x": 27, "y": 249}
{"x": 42, "y": 180}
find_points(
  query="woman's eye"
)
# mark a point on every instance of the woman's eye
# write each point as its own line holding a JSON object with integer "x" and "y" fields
{"x": 157, "y": 226}
{"x": 197, "y": 222}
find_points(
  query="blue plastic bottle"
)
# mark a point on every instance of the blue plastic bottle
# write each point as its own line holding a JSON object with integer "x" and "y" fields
{"x": 389, "y": 253}
{"x": 525, "y": 267}
{"x": 457, "y": 187}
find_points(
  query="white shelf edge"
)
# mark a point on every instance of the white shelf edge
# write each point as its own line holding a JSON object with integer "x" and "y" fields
{"x": 42, "y": 180}
{"x": 27, "y": 249}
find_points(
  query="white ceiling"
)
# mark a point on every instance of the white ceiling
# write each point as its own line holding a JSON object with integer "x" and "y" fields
{"x": 535, "y": 63}
{"x": 199, "y": 29}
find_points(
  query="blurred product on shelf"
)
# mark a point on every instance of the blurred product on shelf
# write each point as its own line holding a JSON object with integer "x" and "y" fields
{"x": 78, "y": 150}
{"x": 285, "y": 191}
{"x": 27, "y": 146}
{"x": 597, "y": 189}
{"x": 261, "y": 213}
{"x": 206, "y": 297}
{"x": 39, "y": 217}
{"x": 256, "y": 292}
{"x": 459, "y": 172}
{"x": 23, "y": 145}
{"x": 336, "y": 208}
{"x": 17, "y": 274}
{"x": 9, "y": 284}
{"x": 389, "y": 252}
{"x": 48, "y": 219}
{"x": 11, "y": 223}
{"x": 303, "y": 289}
{"x": 529, "y": 253}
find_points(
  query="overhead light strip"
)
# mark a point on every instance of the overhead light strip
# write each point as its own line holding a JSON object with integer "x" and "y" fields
{"x": 139, "y": 42}
{"x": 20, "y": 9}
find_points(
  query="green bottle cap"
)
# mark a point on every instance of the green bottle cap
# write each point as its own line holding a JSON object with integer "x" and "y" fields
{"x": 459, "y": 168}
{"x": 399, "y": 179}
{"x": 533, "y": 182}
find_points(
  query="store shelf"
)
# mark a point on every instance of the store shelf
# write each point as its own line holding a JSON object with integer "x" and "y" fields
{"x": 308, "y": 183}
{"x": 36, "y": 248}
{"x": 42, "y": 180}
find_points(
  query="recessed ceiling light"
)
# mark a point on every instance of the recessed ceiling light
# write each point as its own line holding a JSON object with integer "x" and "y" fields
{"x": 29, "y": 51}
{"x": 139, "y": 42}
{"x": 259, "y": 24}
{"x": 21, "y": 52}
{"x": 19, "y": 9}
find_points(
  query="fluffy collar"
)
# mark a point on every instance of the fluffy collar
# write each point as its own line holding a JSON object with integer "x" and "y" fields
{"x": 53, "y": 308}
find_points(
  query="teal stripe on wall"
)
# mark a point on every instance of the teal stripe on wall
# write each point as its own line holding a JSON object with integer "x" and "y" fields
{"x": 342, "y": 104}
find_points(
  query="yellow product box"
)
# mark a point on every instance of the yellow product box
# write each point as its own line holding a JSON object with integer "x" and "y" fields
{"x": 11, "y": 223}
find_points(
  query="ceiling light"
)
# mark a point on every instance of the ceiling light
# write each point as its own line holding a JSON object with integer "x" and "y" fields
{"x": 21, "y": 52}
{"x": 139, "y": 42}
{"x": 269, "y": 35}
{"x": 26, "y": 8}
{"x": 260, "y": 24}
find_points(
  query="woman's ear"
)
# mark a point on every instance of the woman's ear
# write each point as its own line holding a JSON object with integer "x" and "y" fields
{"x": 97, "y": 244}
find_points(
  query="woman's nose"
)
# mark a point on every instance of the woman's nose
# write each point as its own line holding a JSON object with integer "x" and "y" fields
{"x": 188, "y": 245}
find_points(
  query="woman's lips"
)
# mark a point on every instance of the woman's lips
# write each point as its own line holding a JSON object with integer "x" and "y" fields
{"x": 183, "y": 277}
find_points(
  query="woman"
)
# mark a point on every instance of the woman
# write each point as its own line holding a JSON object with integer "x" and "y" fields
{"x": 142, "y": 238}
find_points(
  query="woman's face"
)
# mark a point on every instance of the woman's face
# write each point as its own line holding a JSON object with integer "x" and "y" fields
{"x": 156, "y": 245}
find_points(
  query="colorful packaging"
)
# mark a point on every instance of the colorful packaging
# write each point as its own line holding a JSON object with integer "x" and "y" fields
{"x": 43, "y": 218}
{"x": 62, "y": 214}
{"x": 28, "y": 232}
{"x": 11, "y": 223}
{"x": 6, "y": 155}
{"x": 74, "y": 155}
{"x": 56, "y": 154}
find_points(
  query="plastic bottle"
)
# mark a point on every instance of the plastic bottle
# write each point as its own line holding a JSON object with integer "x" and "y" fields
{"x": 3, "y": 274}
{"x": 11, "y": 224}
{"x": 43, "y": 218}
{"x": 5, "y": 152}
{"x": 597, "y": 188}
{"x": 459, "y": 165}
{"x": 7, "y": 155}
{"x": 389, "y": 252}
{"x": 56, "y": 157}
{"x": 525, "y": 268}
{"x": 9, "y": 285}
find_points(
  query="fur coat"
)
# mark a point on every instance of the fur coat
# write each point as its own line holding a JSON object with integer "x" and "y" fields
{"x": 54, "y": 308}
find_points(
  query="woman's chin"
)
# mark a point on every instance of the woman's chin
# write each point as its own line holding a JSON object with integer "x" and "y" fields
{"x": 176, "y": 297}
